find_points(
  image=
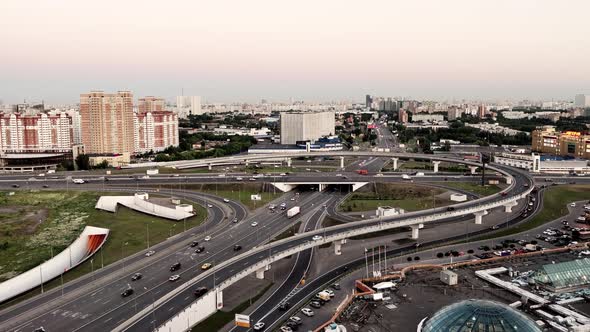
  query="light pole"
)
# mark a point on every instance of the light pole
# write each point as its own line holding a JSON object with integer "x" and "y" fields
{"x": 123, "y": 244}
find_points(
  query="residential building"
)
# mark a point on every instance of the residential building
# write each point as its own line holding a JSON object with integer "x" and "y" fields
{"x": 107, "y": 122}
{"x": 41, "y": 132}
{"x": 402, "y": 116}
{"x": 427, "y": 117}
{"x": 582, "y": 101}
{"x": 454, "y": 113}
{"x": 151, "y": 104}
{"x": 155, "y": 131}
{"x": 570, "y": 143}
{"x": 306, "y": 126}
{"x": 189, "y": 105}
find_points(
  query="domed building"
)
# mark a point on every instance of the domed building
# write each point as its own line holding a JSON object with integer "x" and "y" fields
{"x": 478, "y": 316}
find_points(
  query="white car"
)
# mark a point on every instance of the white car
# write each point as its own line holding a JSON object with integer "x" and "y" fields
{"x": 226, "y": 200}
{"x": 259, "y": 326}
{"x": 240, "y": 179}
{"x": 254, "y": 224}
{"x": 209, "y": 205}
{"x": 78, "y": 181}
{"x": 307, "y": 312}
{"x": 292, "y": 198}
{"x": 150, "y": 253}
{"x": 573, "y": 205}
{"x": 207, "y": 238}
{"x": 252, "y": 179}
{"x": 283, "y": 174}
{"x": 174, "y": 277}
{"x": 338, "y": 174}
{"x": 316, "y": 237}
{"x": 329, "y": 291}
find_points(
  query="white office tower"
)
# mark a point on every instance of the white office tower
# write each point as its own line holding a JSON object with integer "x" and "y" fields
{"x": 306, "y": 126}
{"x": 582, "y": 101}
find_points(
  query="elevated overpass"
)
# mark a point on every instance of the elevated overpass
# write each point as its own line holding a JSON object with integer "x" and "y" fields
{"x": 259, "y": 260}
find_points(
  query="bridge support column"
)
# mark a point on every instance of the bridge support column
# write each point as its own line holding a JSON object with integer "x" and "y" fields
{"x": 289, "y": 161}
{"x": 395, "y": 160}
{"x": 219, "y": 299}
{"x": 321, "y": 187}
{"x": 508, "y": 180}
{"x": 341, "y": 162}
{"x": 473, "y": 169}
{"x": 508, "y": 207}
{"x": 260, "y": 272}
{"x": 416, "y": 230}
{"x": 210, "y": 166}
{"x": 436, "y": 163}
{"x": 479, "y": 216}
{"x": 337, "y": 248}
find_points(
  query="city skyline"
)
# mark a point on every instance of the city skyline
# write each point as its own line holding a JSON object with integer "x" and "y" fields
{"x": 233, "y": 51}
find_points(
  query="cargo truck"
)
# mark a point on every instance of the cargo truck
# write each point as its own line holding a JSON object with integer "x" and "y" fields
{"x": 292, "y": 212}
{"x": 362, "y": 172}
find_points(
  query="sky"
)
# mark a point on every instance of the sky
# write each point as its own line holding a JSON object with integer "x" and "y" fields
{"x": 317, "y": 50}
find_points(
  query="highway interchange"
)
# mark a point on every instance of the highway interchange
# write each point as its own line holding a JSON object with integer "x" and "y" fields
{"x": 93, "y": 302}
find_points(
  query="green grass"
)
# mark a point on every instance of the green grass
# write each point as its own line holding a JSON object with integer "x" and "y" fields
{"x": 219, "y": 319}
{"x": 69, "y": 213}
{"x": 409, "y": 197}
{"x": 475, "y": 188}
{"x": 555, "y": 201}
{"x": 410, "y": 204}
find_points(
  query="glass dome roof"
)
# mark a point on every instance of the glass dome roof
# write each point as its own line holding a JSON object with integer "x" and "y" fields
{"x": 479, "y": 316}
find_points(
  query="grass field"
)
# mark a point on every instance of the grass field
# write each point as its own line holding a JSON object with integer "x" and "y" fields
{"x": 475, "y": 188}
{"x": 216, "y": 321}
{"x": 555, "y": 201}
{"x": 406, "y": 196}
{"x": 64, "y": 215}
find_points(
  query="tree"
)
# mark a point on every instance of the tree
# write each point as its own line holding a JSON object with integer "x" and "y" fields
{"x": 83, "y": 162}
{"x": 102, "y": 165}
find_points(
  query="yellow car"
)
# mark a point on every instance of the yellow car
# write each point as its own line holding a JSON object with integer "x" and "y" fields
{"x": 206, "y": 266}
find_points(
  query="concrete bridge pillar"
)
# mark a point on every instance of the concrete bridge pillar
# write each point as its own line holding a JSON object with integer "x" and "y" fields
{"x": 395, "y": 160}
{"x": 321, "y": 187}
{"x": 260, "y": 272}
{"x": 341, "y": 162}
{"x": 508, "y": 180}
{"x": 337, "y": 248}
{"x": 289, "y": 161}
{"x": 508, "y": 206}
{"x": 479, "y": 216}
{"x": 436, "y": 163}
{"x": 473, "y": 169}
{"x": 210, "y": 166}
{"x": 416, "y": 230}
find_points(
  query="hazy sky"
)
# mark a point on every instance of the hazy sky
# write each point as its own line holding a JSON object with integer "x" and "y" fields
{"x": 244, "y": 50}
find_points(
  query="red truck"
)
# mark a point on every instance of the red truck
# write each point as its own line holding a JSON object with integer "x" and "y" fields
{"x": 362, "y": 172}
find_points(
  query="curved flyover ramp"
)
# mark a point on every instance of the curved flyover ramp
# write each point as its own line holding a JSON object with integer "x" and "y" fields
{"x": 90, "y": 240}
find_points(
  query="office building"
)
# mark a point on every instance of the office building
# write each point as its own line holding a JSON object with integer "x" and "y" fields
{"x": 306, "y": 126}
{"x": 107, "y": 122}
{"x": 582, "y": 101}
{"x": 151, "y": 104}
{"x": 42, "y": 132}
{"x": 155, "y": 131}
{"x": 570, "y": 143}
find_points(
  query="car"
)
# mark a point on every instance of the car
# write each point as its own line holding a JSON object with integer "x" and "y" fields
{"x": 209, "y": 205}
{"x": 295, "y": 319}
{"x": 252, "y": 179}
{"x": 307, "y": 312}
{"x": 259, "y": 326}
{"x": 504, "y": 194}
{"x": 329, "y": 291}
{"x": 208, "y": 238}
{"x": 200, "y": 291}
{"x": 573, "y": 204}
{"x": 39, "y": 329}
{"x": 150, "y": 253}
{"x": 235, "y": 220}
{"x": 127, "y": 292}
{"x": 285, "y": 329}
{"x": 317, "y": 237}
{"x": 226, "y": 200}
{"x": 494, "y": 227}
{"x": 45, "y": 186}
{"x": 237, "y": 247}
{"x": 15, "y": 186}
{"x": 292, "y": 198}
{"x": 335, "y": 286}
{"x": 315, "y": 304}
{"x": 239, "y": 179}
{"x": 450, "y": 208}
{"x": 136, "y": 276}
{"x": 174, "y": 277}
{"x": 78, "y": 181}
{"x": 194, "y": 244}
{"x": 283, "y": 174}
{"x": 206, "y": 266}
{"x": 175, "y": 266}
{"x": 200, "y": 249}
{"x": 254, "y": 224}
{"x": 284, "y": 306}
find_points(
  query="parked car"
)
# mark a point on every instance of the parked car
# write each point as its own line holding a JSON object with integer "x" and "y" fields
{"x": 315, "y": 304}
{"x": 307, "y": 312}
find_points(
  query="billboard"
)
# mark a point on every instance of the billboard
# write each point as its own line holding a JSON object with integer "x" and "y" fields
{"x": 243, "y": 320}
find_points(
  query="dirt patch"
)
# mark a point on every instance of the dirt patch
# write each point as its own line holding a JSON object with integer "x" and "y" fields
{"x": 22, "y": 220}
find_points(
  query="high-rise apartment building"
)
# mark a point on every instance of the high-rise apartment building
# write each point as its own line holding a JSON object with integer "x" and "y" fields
{"x": 42, "y": 132}
{"x": 188, "y": 105}
{"x": 368, "y": 101}
{"x": 155, "y": 131}
{"x": 107, "y": 122}
{"x": 582, "y": 101}
{"x": 151, "y": 104}
{"x": 402, "y": 116}
{"x": 306, "y": 126}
